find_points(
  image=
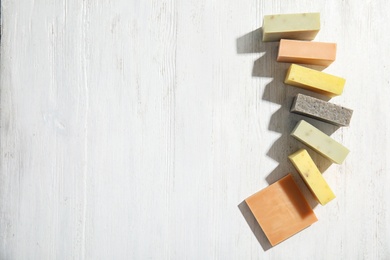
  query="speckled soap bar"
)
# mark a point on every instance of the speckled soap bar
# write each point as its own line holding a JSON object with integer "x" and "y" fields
{"x": 320, "y": 142}
{"x": 321, "y": 110}
{"x": 304, "y": 26}
{"x": 312, "y": 176}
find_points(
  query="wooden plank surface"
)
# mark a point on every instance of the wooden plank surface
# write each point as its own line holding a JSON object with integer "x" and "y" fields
{"x": 135, "y": 129}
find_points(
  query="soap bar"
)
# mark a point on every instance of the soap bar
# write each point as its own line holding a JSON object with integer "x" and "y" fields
{"x": 304, "y": 26}
{"x": 314, "y": 80}
{"x": 281, "y": 210}
{"x": 321, "y": 110}
{"x": 312, "y": 176}
{"x": 320, "y": 142}
{"x": 305, "y": 52}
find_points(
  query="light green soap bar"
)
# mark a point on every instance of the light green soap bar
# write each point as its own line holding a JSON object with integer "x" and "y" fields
{"x": 320, "y": 142}
{"x": 304, "y": 26}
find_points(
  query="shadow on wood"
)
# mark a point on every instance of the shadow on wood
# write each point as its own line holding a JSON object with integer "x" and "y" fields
{"x": 250, "y": 42}
{"x": 254, "y": 226}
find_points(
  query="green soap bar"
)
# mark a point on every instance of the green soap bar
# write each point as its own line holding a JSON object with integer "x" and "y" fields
{"x": 304, "y": 26}
{"x": 320, "y": 142}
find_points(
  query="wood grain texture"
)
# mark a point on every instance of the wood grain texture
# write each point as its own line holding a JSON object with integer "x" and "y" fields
{"x": 134, "y": 129}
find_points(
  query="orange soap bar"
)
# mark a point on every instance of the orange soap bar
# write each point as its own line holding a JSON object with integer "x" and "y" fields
{"x": 281, "y": 210}
{"x": 305, "y": 52}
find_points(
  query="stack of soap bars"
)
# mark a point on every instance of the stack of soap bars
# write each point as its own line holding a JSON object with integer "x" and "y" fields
{"x": 281, "y": 209}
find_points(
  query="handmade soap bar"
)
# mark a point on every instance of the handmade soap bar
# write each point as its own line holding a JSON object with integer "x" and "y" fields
{"x": 303, "y": 26}
{"x": 281, "y": 210}
{"x": 314, "y": 80}
{"x": 321, "y": 110}
{"x": 305, "y": 52}
{"x": 312, "y": 176}
{"x": 320, "y": 142}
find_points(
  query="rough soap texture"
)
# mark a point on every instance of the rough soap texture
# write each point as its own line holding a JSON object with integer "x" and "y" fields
{"x": 321, "y": 110}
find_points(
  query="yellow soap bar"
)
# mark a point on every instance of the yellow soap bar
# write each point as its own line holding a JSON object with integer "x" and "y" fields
{"x": 303, "y": 26}
{"x": 320, "y": 142}
{"x": 314, "y": 80}
{"x": 312, "y": 176}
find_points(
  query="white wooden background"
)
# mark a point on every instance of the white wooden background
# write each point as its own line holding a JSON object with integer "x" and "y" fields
{"x": 135, "y": 129}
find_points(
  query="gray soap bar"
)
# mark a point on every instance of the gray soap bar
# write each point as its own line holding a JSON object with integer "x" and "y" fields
{"x": 321, "y": 110}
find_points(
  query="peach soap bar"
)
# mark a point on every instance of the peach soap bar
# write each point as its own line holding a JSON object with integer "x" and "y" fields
{"x": 320, "y": 142}
{"x": 312, "y": 176}
{"x": 303, "y": 26}
{"x": 305, "y": 52}
{"x": 281, "y": 210}
{"x": 314, "y": 80}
